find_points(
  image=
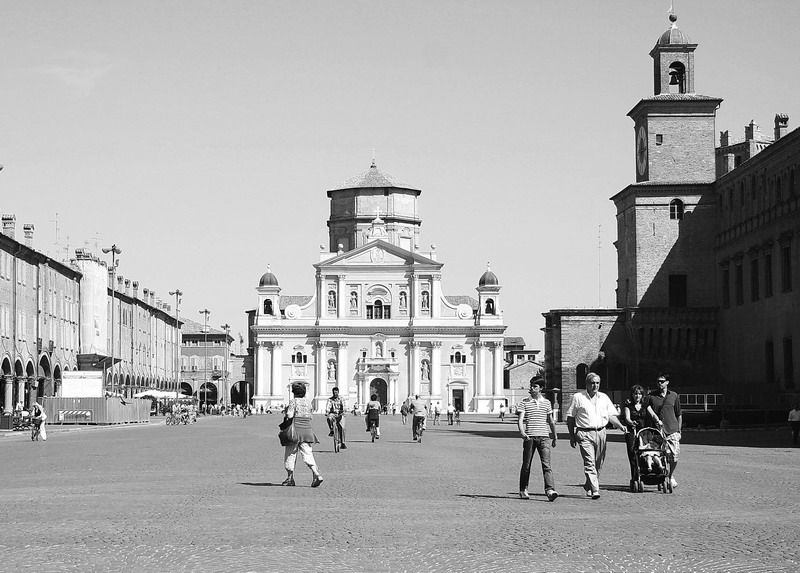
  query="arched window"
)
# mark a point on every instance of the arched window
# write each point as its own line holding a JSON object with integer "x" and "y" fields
{"x": 580, "y": 376}
{"x": 490, "y": 306}
{"x": 193, "y": 363}
{"x": 267, "y": 306}
{"x": 676, "y": 209}
{"x": 677, "y": 78}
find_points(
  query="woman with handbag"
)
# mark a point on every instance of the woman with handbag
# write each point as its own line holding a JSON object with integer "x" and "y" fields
{"x": 299, "y": 411}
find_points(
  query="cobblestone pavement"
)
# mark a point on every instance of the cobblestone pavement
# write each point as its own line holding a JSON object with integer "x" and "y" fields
{"x": 206, "y": 497}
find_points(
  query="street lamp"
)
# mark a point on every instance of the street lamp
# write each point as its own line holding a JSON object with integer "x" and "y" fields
{"x": 114, "y": 250}
{"x": 205, "y": 312}
{"x": 177, "y": 294}
{"x": 227, "y": 328}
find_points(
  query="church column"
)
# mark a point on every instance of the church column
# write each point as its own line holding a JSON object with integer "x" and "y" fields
{"x": 480, "y": 360}
{"x": 436, "y": 296}
{"x": 276, "y": 386}
{"x": 413, "y": 366}
{"x": 497, "y": 370}
{"x": 342, "y": 303}
{"x": 436, "y": 370}
{"x": 320, "y": 373}
{"x": 341, "y": 369}
{"x": 262, "y": 371}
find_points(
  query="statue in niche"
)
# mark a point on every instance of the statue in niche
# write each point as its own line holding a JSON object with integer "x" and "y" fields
{"x": 403, "y": 300}
{"x": 426, "y": 303}
{"x": 378, "y": 350}
{"x": 331, "y": 300}
{"x": 354, "y": 300}
{"x": 426, "y": 370}
{"x": 331, "y": 371}
{"x": 490, "y": 306}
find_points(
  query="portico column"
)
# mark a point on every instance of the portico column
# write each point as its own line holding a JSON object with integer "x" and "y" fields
{"x": 497, "y": 371}
{"x": 342, "y": 304}
{"x": 436, "y": 369}
{"x": 341, "y": 368}
{"x": 9, "y": 393}
{"x": 413, "y": 368}
{"x": 321, "y": 372}
{"x": 276, "y": 384}
{"x": 21, "y": 391}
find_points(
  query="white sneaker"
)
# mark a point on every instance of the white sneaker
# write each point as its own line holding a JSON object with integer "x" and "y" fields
{"x": 673, "y": 482}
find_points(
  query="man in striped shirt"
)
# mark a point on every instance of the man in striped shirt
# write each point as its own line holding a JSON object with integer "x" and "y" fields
{"x": 536, "y": 424}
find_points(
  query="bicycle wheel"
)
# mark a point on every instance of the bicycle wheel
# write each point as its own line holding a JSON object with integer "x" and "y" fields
{"x": 335, "y": 437}
{"x": 373, "y": 430}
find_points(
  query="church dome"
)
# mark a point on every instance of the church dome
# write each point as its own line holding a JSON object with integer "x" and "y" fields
{"x": 488, "y": 278}
{"x": 371, "y": 178}
{"x": 268, "y": 279}
{"x": 674, "y": 36}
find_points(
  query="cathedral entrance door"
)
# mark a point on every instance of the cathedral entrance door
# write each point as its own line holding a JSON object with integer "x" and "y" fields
{"x": 458, "y": 400}
{"x": 378, "y": 386}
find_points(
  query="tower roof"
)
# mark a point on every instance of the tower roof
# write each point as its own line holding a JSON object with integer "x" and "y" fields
{"x": 373, "y": 177}
{"x": 268, "y": 279}
{"x": 674, "y": 36}
{"x": 488, "y": 278}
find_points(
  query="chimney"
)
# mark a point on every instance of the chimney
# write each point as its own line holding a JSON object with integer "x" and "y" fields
{"x": 27, "y": 229}
{"x": 781, "y": 125}
{"x": 120, "y": 278}
{"x": 128, "y": 287}
{"x": 135, "y": 289}
{"x": 9, "y": 223}
{"x": 146, "y": 295}
{"x": 724, "y": 138}
{"x": 752, "y": 131}
{"x": 152, "y": 298}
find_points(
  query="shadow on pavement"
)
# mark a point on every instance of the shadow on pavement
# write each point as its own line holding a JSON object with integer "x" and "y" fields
{"x": 266, "y": 484}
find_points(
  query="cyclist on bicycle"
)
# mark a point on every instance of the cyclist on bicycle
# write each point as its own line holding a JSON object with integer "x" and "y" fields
{"x": 373, "y": 415}
{"x": 418, "y": 409}
{"x": 37, "y": 419}
{"x": 334, "y": 411}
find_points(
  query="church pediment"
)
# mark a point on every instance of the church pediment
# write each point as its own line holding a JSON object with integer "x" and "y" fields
{"x": 378, "y": 253}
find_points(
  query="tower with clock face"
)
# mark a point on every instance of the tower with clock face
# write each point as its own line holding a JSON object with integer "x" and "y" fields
{"x": 674, "y": 130}
{"x": 674, "y": 133}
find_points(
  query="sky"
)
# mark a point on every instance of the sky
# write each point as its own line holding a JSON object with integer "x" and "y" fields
{"x": 201, "y": 137}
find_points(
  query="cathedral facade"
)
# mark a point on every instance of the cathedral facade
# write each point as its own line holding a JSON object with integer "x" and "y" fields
{"x": 707, "y": 285}
{"x": 377, "y": 321}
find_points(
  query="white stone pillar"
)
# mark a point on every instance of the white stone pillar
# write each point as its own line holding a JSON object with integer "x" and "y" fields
{"x": 436, "y": 296}
{"x": 320, "y": 374}
{"x": 9, "y": 393}
{"x": 413, "y": 366}
{"x": 343, "y": 303}
{"x": 276, "y": 383}
{"x": 341, "y": 369}
{"x": 480, "y": 360}
{"x": 436, "y": 370}
{"x": 21, "y": 391}
{"x": 497, "y": 370}
{"x": 262, "y": 371}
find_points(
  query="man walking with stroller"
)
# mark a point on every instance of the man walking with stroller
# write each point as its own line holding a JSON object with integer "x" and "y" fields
{"x": 587, "y": 416}
{"x": 664, "y": 409}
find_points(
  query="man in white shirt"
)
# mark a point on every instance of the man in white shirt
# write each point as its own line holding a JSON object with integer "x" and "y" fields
{"x": 587, "y": 416}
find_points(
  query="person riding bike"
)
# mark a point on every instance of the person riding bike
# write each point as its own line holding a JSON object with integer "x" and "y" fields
{"x": 418, "y": 409}
{"x": 334, "y": 411}
{"x": 37, "y": 419}
{"x": 373, "y": 415}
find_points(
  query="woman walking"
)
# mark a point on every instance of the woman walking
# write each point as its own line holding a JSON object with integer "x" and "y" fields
{"x": 299, "y": 409}
{"x": 634, "y": 414}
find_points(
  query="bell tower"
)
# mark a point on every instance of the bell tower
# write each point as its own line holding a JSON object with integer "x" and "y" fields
{"x": 674, "y": 130}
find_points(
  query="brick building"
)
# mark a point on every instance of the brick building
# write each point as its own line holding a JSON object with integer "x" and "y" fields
{"x": 707, "y": 285}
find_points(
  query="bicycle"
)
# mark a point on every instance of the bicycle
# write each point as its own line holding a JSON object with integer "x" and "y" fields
{"x": 35, "y": 430}
{"x": 373, "y": 429}
{"x": 418, "y": 428}
{"x": 172, "y": 419}
{"x": 337, "y": 440}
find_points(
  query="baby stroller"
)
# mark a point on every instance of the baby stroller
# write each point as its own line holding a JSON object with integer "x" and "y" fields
{"x": 652, "y": 460}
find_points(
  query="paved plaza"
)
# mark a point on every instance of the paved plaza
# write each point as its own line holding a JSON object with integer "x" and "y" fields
{"x": 206, "y": 497}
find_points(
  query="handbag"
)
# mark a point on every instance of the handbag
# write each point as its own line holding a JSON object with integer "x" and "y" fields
{"x": 287, "y": 434}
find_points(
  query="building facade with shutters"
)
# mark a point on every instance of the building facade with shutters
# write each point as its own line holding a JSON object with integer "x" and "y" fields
{"x": 377, "y": 321}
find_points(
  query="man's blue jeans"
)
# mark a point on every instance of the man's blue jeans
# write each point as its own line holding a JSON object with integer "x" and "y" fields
{"x": 542, "y": 445}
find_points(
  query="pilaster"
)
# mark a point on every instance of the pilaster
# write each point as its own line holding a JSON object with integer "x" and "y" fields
{"x": 436, "y": 370}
